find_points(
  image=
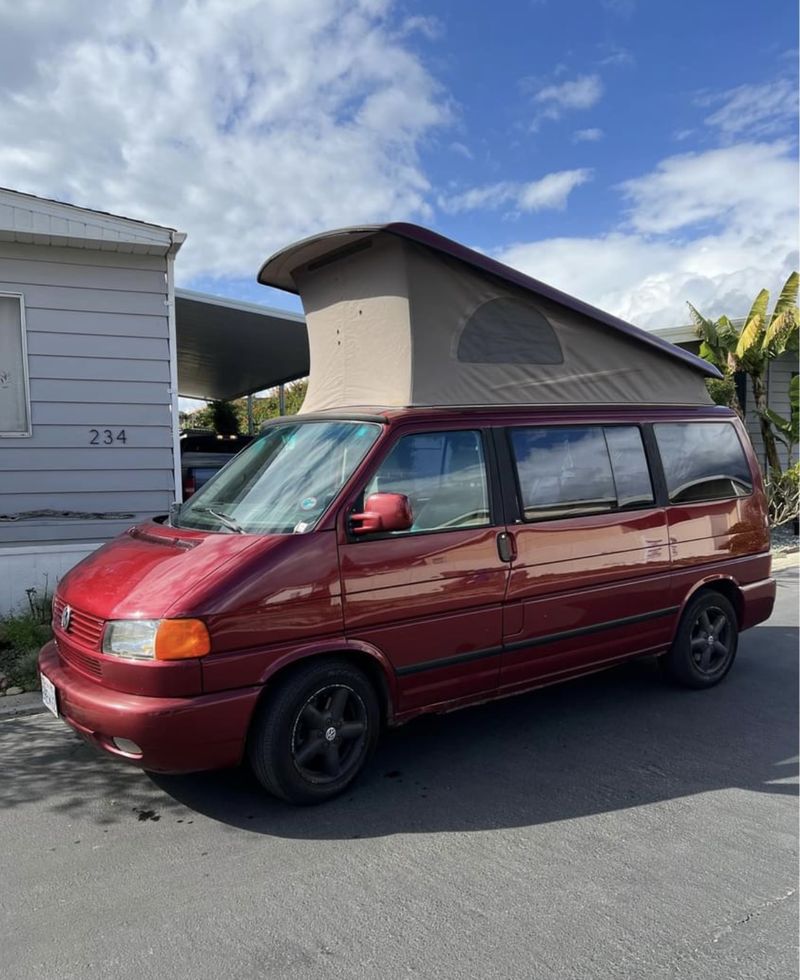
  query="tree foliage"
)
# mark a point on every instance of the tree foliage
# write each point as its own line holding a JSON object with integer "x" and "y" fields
{"x": 761, "y": 338}
{"x": 223, "y": 416}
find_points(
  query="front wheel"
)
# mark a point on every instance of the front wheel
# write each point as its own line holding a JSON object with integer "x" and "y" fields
{"x": 705, "y": 643}
{"x": 315, "y": 732}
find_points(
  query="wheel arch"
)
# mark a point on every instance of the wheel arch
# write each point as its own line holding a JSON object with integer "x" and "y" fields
{"x": 362, "y": 655}
{"x": 725, "y": 585}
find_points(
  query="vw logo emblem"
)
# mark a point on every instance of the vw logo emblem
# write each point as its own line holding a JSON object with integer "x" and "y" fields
{"x": 66, "y": 616}
{"x": 330, "y": 733}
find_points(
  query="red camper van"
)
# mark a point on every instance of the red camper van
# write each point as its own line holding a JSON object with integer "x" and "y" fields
{"x": 491, "y": 487}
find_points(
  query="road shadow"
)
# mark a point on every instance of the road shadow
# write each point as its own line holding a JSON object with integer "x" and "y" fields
{"x": 618, "y": 739}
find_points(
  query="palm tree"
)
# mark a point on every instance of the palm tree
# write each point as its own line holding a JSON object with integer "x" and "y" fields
{"x": 761, "y": 338}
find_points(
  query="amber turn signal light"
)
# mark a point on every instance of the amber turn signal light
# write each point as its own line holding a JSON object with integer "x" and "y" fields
{"x": 180, "y": 639}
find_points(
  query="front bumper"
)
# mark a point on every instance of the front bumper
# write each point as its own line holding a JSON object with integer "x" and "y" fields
{"x": 175, "y": 734}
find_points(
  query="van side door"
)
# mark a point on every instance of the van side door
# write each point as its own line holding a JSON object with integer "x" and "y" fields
{"x": 431, "y": 598}
{"x": 590, "y": 582}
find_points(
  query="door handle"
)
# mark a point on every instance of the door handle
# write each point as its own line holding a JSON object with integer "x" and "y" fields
{"x": 506, "y": 546}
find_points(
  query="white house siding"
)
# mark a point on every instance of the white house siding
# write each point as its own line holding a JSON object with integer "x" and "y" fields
{"x": 99, "y": 358}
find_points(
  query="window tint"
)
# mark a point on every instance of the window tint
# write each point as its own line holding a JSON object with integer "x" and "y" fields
{"x": 442, "y": 474}
{"x": 703, "y": 461}
{"x": 508, "y": 330}
{"x": 629, "y": 463}
{"x": 568, "y": 470}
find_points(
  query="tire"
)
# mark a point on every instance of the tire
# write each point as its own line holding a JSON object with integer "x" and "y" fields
{"x": 705, "y": 643}
{"x": 315, "y": 732}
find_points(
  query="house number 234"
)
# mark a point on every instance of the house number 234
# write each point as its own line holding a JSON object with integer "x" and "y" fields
{"x": 106, "y": 437}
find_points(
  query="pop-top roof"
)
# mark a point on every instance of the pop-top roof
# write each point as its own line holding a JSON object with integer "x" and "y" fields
{"x": 398, "y": 315}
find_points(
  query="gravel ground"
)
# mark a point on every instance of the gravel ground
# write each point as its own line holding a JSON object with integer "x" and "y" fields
{"x": 784, "y": 540}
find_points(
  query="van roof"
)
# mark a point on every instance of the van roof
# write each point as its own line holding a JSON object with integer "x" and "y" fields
{"x": 547, "y": 413}
{"x": 279, "y": 269}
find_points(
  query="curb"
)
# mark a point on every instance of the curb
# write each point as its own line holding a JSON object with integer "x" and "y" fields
{"x": 781, "y": 562}
{"x": 18, "y": 705}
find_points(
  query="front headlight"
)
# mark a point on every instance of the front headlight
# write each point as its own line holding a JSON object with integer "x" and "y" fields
{"x": 134, "y": 638}
{"x": 156, "y": 639}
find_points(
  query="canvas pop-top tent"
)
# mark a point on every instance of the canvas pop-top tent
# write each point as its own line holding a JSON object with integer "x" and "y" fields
{"x": 400, "y": 316}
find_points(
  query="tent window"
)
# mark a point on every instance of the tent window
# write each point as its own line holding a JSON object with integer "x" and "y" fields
{"x": 507, "y": 330}
{"x": 15, "y": 409}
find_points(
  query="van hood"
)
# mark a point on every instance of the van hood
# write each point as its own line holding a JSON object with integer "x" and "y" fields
{"x": 145, "y": 572}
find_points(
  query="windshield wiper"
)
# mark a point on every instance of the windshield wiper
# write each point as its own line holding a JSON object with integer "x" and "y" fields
{"x": 229, "y": 522}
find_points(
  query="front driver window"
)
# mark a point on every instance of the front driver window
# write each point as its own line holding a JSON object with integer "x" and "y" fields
{"x": 444, "y": 477}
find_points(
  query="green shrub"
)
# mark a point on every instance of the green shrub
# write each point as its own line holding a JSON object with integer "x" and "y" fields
{"x": 21, "y": 668}
{"x": 23, "y": 633}
{"x": 21, "y": 637}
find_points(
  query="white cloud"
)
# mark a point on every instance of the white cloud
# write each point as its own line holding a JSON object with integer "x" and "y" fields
{"x": 548, "y": 193}
{"x": 553, "y": 190}
{"x": 591, "y": 135}
{"x": 429, "y": 27}
{"x": 754, "y": 111}
{"x": 647, "y": 270}
{"x": 616, "y": 56}
{"x": 245, "y": 123}
{"x": 579, "y": 93}
{"x": 462, "y": 150}
{"x": 747, "y": 182}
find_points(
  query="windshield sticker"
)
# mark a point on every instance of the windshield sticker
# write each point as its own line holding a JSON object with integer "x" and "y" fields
{"x": 308, "y": 503}
{"x": 301, "y": 528}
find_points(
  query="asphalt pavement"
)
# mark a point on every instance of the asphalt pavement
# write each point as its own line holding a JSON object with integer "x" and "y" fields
{"x": 609, "y": 828}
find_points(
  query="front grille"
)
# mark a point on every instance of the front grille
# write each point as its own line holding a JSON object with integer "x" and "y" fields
{"x": 89, "y": 665}
{"x": 84, "y": 629}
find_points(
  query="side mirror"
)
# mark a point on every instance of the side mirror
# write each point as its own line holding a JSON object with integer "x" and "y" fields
{"x": 383, "y": 512}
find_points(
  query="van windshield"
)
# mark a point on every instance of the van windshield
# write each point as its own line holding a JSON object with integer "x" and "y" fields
{"x": 281, "y": 483}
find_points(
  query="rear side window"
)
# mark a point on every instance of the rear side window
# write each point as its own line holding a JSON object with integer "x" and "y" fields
{"x": 442, "y": 474}
{"x": 566, "y": 471}
{"x": 703, "y": 461}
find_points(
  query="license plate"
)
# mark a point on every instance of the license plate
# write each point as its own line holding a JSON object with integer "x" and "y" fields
{"x": 49, "y": 695}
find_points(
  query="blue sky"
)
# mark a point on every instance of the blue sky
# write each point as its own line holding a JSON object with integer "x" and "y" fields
{"x": 636, "y": 153}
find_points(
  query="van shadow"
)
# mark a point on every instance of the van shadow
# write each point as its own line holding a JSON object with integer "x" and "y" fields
{"x": 611, "y": 741}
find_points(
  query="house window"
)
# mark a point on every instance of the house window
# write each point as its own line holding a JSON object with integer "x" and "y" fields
{"x": 15, "y": 402}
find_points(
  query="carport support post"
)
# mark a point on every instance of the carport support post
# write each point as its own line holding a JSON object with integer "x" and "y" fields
{"x": 281, "y": 399}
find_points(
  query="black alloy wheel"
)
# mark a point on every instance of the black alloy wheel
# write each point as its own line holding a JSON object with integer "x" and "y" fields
{"x": 329, "y": 734}
{"x": 705, "y": 642}
{"x": 314, "y": 731}
{"x": 711, "y": 639}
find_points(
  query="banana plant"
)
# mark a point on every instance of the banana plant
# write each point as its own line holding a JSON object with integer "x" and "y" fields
{"x": 788, "y": 430}
{"x": 762, "y": 338}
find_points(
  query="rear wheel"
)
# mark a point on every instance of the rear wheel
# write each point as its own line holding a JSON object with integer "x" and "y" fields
{"x": 315, "y": 732}
{"x": 705, "y": 644}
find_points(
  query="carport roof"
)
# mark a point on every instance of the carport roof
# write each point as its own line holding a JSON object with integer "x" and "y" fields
{"x": 227, "y": 348}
